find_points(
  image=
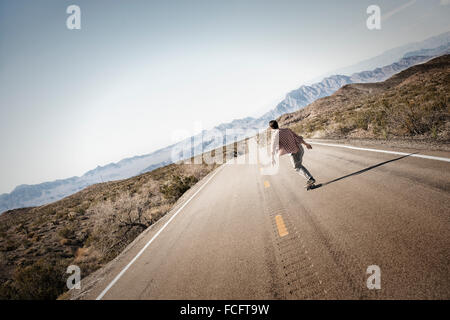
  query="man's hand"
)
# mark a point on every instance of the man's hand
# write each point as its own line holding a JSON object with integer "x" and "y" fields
{"x": 308, "y": 146}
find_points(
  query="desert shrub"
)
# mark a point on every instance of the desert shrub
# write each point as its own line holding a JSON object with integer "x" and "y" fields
{"x": 66, "y": 232}
{"x": 49, "y": 211}
{"x": 420, "y": 118}
{"x": 178, "y": 185}
{"x": 81, "y": 210}
{"x": 117, "y": 224}
{"x": 39, "y": 281}
{"x": 308, "y": 127}
{"x": 362, "y": 120}
{"x": 90, "y": 240}
{"x": 337, "y": 117}
{"x": 10, "y": 245}
{"x": 298, "y": 128}
{"x": 434, "y": 132}
{"x": 345, "y": 128}
{"x": 41, "y": 219}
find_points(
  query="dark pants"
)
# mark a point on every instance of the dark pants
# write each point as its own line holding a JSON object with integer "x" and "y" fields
{"x": 297, "y": 163}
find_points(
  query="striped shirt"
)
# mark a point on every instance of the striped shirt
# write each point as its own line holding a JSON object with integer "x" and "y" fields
{"x": 284, "y": 141}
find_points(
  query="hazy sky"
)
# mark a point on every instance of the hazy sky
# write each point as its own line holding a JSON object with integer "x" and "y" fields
{"x": 138, "y": 70}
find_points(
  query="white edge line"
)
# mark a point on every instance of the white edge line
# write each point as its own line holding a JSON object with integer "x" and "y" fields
{"x": 153, "y": 238}
{"x": 383, "y": 151}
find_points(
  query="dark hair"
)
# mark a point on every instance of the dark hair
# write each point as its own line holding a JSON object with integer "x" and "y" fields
{"x": 273, "y": 124}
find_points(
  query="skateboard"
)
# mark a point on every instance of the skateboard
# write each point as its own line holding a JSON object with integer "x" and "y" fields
{"x": 311, "y": 186}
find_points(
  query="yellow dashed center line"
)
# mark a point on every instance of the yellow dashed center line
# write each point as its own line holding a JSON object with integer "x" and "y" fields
{"x": 266, "y": 184}
{"x": 282, "y": 230}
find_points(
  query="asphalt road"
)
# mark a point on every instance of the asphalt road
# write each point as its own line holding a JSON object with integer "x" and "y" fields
{"x": 244, "y": 235}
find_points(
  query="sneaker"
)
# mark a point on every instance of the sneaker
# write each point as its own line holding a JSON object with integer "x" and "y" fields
{"x": 310, "y": 182}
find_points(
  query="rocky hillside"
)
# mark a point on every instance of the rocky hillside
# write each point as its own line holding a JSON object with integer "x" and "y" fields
{"x": 412, "y": 104}
{"x": 87, "y": 229}
{"x": 305, "y": 95}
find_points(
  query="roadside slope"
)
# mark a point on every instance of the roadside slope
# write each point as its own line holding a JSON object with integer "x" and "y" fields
{"x": 88, "y": 229}
{"x": 412, "y": 104}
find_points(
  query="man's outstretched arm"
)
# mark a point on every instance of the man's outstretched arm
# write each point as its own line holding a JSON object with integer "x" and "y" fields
{"x": 300, "y": 140}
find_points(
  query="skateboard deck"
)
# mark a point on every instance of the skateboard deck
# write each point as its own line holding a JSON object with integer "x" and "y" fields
{"x": 311, "y": 186}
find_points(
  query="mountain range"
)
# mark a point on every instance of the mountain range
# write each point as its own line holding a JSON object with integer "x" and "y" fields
{"x": 412, "y": 104}
{"x": 395, "y": 54}
{"x": 39, "y": 194}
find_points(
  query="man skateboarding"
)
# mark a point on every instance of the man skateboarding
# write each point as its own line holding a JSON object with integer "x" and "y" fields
{"x": 284, "y": 141}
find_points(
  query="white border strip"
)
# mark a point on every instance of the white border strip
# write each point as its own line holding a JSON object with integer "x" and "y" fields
{"x": 154, "y": 237}
{"x": 383, "y": 151}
